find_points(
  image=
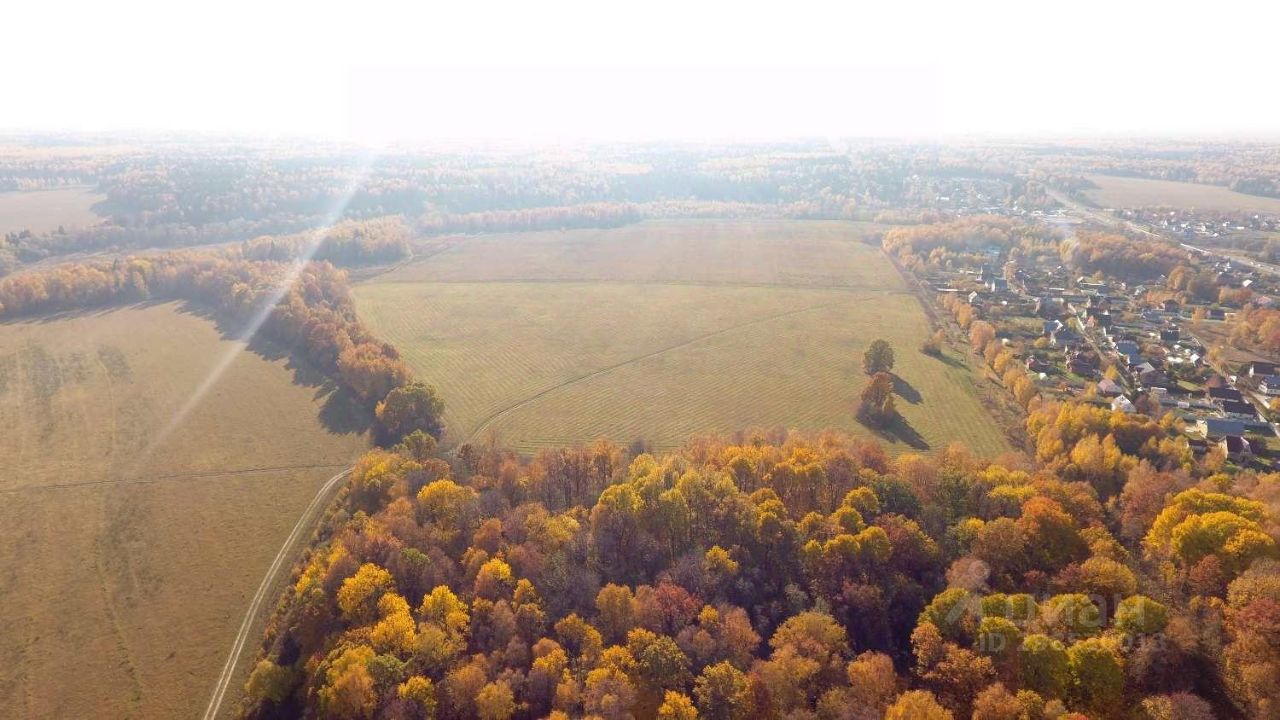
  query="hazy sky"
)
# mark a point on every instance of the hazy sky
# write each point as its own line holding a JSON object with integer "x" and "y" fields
{"x": 547, "y": 70}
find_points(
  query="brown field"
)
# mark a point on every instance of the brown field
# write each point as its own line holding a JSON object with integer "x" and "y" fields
{"x": 1124, "y": 192}
{"x": 44, "y": 210}
{"x": 661, "y": 330}
{"x": 126, "y": 564}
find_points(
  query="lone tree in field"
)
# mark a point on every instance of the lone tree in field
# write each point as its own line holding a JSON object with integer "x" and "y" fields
{"x": 933, "y": 344}
{"x": 878, "y": 358}
{"x": 408, "y": 408}
{"x": 875, "y": 406}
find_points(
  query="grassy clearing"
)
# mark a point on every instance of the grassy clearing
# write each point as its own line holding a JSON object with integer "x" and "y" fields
{"x": 662, "y": 330}
{"x": 45, "y": 210}
{"x": 1218, "y": 334}
{"x": 1124, "y": 192}
{"x": 125, "y": 568}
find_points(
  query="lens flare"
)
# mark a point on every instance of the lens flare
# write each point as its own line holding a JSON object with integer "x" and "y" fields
{"x": 263, "y": 311}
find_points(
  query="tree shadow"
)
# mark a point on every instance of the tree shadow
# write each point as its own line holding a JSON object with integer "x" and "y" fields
{"x": 341, "y": 412}
{"x": 946, "y": 359}
{"x": 899, "y": 430}
{"x": 904, "y": 390}
{"x": 84, "y": 312}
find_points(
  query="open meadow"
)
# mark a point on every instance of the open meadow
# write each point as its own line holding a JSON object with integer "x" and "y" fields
{"x": 660, "y": 330}
{"x": 1128, "y": 192}
{"x": 45, "y": 210}
{"x": 130, "y": 544}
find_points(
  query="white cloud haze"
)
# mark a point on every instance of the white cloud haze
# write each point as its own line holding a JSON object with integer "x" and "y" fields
{"x": 380, "y": 71}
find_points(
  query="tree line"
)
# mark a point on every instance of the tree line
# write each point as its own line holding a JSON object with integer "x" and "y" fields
{"x": 314, "y": 316}
{"x": 350, "y": 243}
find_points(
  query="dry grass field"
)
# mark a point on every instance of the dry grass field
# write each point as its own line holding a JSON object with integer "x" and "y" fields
{"x": 1124, "y": 192}
{"x": 664, "y": 329}
{"x": 126, "y": 564}
{"x": 44, "y": 210}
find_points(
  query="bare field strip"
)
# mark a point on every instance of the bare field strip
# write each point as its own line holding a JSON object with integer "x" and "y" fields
{"x": 1126, "y": 192}
{"x": 651, "y": 337}
{"x": 44, "y": 210}
{"x": 126, "y": 572}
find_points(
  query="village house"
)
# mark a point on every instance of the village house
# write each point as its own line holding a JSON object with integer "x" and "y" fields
{"x": 1129, "y": 352}
{"x": 1238, "y": 409}
{"x": 1142, "y": 368}
{"x": 1236, "y": 448}
{"x": 1064, "y": 337}
{"x": 1101, "y": 320}
{"x": 1219, "y": 427}
{"x": 1151, "y": 376}
{"x": 1047, "y": 308}
{"x": 1109, "y": 388}
{"x": 1081, "y": 367}
{"x": 1122, "y": 404}
{"x": 1036, "y": 365}
{"x": 1270, "y": 385}
{"x": 1225, "y": 393}
{"x": 1257, "y": 367}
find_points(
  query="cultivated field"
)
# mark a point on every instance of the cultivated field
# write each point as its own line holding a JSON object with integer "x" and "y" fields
{"x": 127, "y": 554}
{"x": 44, "y": 210}
{"x": 1124, "y": 192}
{"x": 660, "y": 330}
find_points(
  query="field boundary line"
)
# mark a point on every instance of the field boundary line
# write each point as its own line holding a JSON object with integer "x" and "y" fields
{"x": 196, "y": 475}
{"x": 498, "y": 415}
{"x": 268, "y": 581}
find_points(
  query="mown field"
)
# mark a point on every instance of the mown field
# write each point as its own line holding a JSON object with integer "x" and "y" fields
{"x": 664, "y": 329}
{"x": 1124, "y": 192}
{"x": 44, "y": 210}
{"x": 127, "y": 554}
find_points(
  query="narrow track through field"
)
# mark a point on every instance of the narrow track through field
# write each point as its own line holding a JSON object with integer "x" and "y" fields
{"x": 268, "y": 581}
{"x": 498, "y": 415}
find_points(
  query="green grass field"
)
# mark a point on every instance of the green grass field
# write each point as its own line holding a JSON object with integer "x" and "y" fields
{"x": 126, "y": 565}
{"x": 1125, "y": 192}
{"x": 660, "y": 330}
{"x": 44, "y": 210}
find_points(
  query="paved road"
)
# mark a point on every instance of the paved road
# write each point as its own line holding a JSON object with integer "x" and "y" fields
{"x": 1097, "y": 215}
{"x": 1102, "y": 217}
{"x": 1256, "y": 265}
{"x": 279, "y": 565}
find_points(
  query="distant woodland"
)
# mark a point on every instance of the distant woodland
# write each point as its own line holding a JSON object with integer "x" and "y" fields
{"x": 165, "y": 197}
